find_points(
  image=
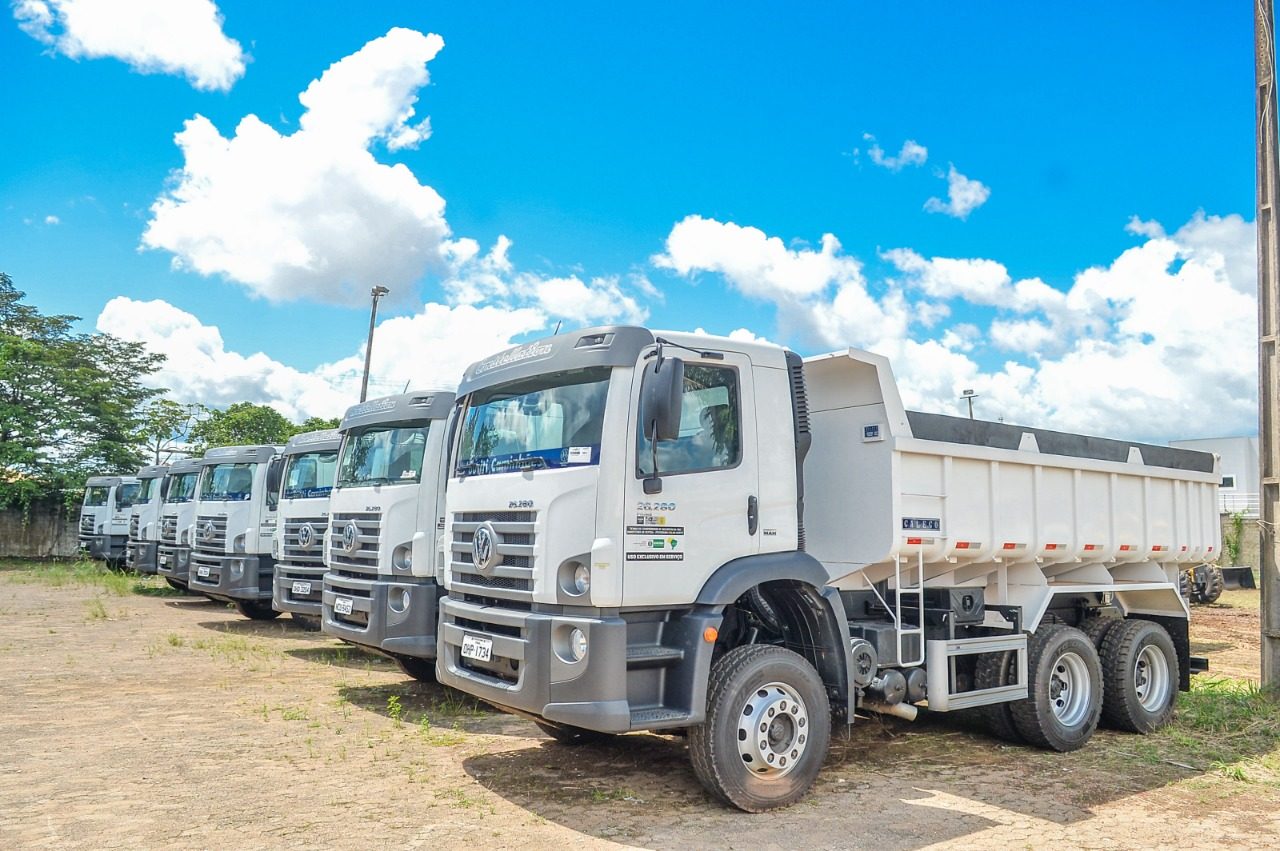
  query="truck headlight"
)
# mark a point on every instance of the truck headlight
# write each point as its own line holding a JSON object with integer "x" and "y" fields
{"x": 398, "y": 600}
{"x": 238, "y": 543}
{"x": 237, "y": 568}
{"x": 578, "y": 644}
{"x": 101, "y": 527}
{"x": 582, "y": 580}
{"x": 402, "y": 557}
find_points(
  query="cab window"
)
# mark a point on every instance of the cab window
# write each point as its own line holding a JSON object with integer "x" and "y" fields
{"x": 710, "y": 425}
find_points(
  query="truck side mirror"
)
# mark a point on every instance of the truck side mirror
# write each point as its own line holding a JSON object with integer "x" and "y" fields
{"x": 275, "y": 467}
{"x": 164, "y": 488}
{"x": 661, "y": 390}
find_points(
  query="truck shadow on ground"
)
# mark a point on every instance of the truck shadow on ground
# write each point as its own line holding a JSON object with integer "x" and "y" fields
{"x": 340, "y": 655}
{"x": 279, "y": 628}
{"x": 193, "y": 603}
{"x": 913, "y": 785}
{"x": 412, "y": 700}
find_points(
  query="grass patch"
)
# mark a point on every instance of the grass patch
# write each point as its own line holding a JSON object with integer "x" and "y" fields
{"x": 97, "y": 610}
{"x": 84, "y": 573}
{"x": 234, "y": 648}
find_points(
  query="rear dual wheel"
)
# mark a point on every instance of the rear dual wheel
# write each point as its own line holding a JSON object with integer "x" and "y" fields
{"x": 1064, "y": 700}
{"x": 1141, "y": 668}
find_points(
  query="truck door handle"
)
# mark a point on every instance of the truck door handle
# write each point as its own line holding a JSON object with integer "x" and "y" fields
{"x": 753, "y": 515}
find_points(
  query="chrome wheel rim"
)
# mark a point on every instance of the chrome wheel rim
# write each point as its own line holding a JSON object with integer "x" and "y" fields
{"x": 1151, "y": 678}
{"x": 773, "y": 731}
{"x": 1070, "y": 689}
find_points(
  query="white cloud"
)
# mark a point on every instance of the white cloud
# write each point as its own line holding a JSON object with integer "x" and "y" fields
{"x": 313, "y": 214}
{"x": 912, "y": 153}
{"x": 153, "y": 36}
{"x": 1157, "y": 344}
{"x": 52, "y": 220}
{"x": 428, "y": 350}
{"x": 1137, "y": 227}
{"x": 964, "y": 195}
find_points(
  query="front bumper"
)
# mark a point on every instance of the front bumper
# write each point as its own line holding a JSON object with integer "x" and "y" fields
{"x": 529, "y": 672}
{"x": 141, "y": 556}
{"x": 173, "y": 562}
{"x": 297, "y": 589}
{"x": 217, "y": 576}
{"x": 108, "y": 547}
{"x": 402, "y": 629}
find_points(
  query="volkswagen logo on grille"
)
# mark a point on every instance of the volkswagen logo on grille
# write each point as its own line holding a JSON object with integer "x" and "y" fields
{"x": 484, "y": 552}
{"x": 351, "y": 537}
{"x": 208, "y": 530}
{"x": 306, "y": 536}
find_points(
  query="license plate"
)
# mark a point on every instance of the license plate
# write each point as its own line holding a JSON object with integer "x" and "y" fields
{"x": 342, "y": 605}
{"x": 164, "y": 560}
{"x": 202, "y": 570}
{"x": 303, "y": 588}
{"x": 480, "y": 649}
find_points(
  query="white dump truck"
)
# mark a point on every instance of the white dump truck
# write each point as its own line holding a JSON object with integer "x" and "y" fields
{"x": 386, "y": 515}
{"x": 235, "y": 526}
{"x": 310, "y": 461}
{"x": 104, "y": 516}
{"x": 656, "y": 531}
{"x": 143, "y": 545}
{"x": 177, "y": 517}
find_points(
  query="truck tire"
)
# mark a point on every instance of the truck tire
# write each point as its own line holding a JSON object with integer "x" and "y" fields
{"x": 1097, "y": 628}
{"x": 1186, "y": 586}
{"x": 422, "y": 670}
{"x": 1064, "y": 700}
{"x": 178, "y": 586}
{"x": 998, "y": 669}
{"x": 1212, "y": 584}
{"x": 567, "y": 734}
{"x": 767, "y": 728}
{"x": 1140, "y": 666}
{"x": 310, "y": 623}
{"x": 256, "y": 611}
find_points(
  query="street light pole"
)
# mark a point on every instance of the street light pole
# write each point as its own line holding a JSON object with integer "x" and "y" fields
{"x": 377, "y": 293}
{"x": 969, "y": 395}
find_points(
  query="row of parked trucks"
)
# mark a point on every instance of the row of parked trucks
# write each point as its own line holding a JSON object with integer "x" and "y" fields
{"x": 615, "y": 530}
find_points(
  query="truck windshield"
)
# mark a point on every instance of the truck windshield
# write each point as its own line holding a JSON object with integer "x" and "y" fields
{"x": 552, "y": 420}
{"x": 310, "y": 474}
{"x": 126, "y": 496}
{"x": 96, "y": 496}
{"x": 383, "y": 455}
{"x": 227, "y": 482}
{"x": 145, "y": 488}
{"x": 182, "y": 487}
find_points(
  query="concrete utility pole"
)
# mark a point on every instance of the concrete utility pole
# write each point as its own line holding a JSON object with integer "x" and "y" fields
{"x": 377, "y": 293}
{"x": 969, "y": 395}
{"x": 1268, "y": 327}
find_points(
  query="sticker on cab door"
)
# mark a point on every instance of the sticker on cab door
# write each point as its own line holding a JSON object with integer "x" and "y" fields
{"x": 578, "y": 455}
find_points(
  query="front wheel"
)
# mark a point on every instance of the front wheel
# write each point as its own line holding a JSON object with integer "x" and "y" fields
{"x": 309, "y": 623}
{"x": 177, "y": 586}
{"x": 256, "y": 611}
{"x": 767, "y": 728}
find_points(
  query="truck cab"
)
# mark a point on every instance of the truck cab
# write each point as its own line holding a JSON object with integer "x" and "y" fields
{"x": 104, "y": 516}
{"x": 668, "y": 531}
{"x": 234, "y": 528}
{"x": 177, "y": 519}
{"x": 310, "y": 462}
{"x": 385, "y": 514}
{"x": 144, "y": 520}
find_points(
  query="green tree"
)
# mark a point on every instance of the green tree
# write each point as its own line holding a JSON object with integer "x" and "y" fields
{"x": 167, "y": 426}
{"x": 69, "y": 403}
{"x": 243, "y": 423}
{"x": 316, "y": 424}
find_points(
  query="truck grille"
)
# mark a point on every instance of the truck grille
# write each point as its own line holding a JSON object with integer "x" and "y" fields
{"x": 86, "y": 524}
{"x": 205, "y": 542}
{"x": 169, "y": 529}
{"x": 294, "y": 552}
{"x": 214, "y": 564}
{"x": 133, "y": 528}
{"x": 363, "y": 559}
{"x": 511, "y": 579}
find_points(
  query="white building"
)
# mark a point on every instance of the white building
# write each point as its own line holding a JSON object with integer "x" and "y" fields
{"x": 1240, "y": 486}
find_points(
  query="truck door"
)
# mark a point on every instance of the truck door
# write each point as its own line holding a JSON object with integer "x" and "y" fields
{"x": 704, "y": 514}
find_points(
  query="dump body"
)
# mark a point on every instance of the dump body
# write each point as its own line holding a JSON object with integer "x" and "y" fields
{"x": 104, "y": 516}
{"x": 303, "y": 516}
{"x": 143, "y": 547}
{"x": 381, "y": 550}
{"x": 235, "y": 525}
{"x": 1025, "y": 513}
{"x": 177, "y": 518}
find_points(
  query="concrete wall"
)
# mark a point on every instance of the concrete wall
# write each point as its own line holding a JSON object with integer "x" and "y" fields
{"x": 1251, "y": 540}
{"x": 47, "y": 530}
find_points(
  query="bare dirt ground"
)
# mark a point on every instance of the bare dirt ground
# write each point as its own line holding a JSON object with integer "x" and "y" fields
{"x": 135, "y": 720}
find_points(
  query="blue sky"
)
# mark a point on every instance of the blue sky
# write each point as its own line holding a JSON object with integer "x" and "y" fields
{"x": 586, "y": 133}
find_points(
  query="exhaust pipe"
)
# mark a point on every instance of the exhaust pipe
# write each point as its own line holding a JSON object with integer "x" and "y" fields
{"x": 905, "y": 711}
